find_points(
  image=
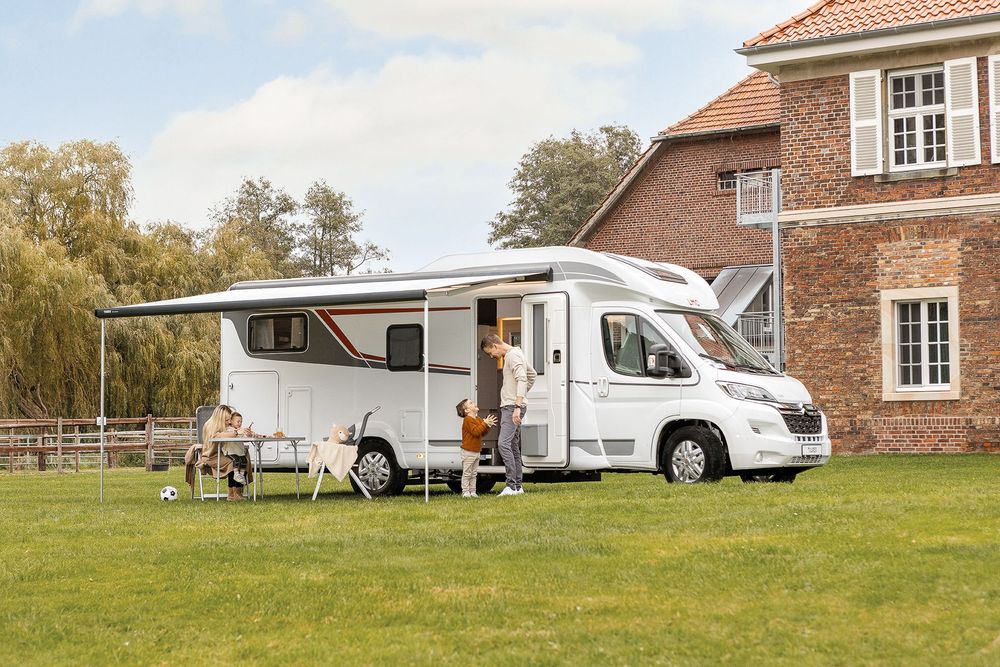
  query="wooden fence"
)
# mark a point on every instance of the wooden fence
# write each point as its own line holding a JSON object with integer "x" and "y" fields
{"x": 38, "y": 444}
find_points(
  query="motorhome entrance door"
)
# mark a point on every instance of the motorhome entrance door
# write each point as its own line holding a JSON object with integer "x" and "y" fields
{"x": 544, "y": 339}
{"x": 254, "y": 394}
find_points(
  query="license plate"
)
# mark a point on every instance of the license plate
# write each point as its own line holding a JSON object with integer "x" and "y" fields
{"x": 812, "y": 450}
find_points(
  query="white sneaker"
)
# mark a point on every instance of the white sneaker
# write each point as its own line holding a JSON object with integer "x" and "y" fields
{"x": 507, "y": 491}
{"x": 519, "y": 491}
{"x": 473, "y": 495}
{"x": 466, "y": 495}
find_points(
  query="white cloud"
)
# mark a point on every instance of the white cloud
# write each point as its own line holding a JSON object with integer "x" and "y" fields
{"x": 433, "y": 114}
{"x": 492, "y": 22}
{"x": 197, "y": 16}
{"x": 290, "y": 27}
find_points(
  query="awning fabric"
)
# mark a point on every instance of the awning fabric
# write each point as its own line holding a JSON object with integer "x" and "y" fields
{"x": 293, "y": 294}
{"x": 736, "y": 287}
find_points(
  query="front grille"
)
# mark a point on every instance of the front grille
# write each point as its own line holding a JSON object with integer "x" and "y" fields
{"x": 803, "y": 423}
{"x": 807, "y": 460}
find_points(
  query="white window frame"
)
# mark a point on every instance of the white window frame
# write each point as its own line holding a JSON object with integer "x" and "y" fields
{"x": 891, "y": 391}
{"x": 919, "y": 112}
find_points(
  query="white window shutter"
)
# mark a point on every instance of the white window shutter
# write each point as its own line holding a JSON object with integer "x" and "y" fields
{"x": 866, "y": 122}
{"x": 994, "y": 65}
{"x": 961, "y": 107}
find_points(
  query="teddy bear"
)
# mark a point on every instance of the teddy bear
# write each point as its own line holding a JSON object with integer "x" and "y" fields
{"x": 339, "y": 434}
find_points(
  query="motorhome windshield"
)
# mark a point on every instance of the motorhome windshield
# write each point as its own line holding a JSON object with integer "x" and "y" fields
{"x": 712, "y": 338}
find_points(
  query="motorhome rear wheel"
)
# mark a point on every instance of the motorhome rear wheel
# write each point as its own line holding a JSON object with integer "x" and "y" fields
{"x": 377, "y": 469}
{"x": 484, "y": 485}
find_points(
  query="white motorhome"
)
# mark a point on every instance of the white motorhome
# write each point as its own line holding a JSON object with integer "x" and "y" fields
{"x": 635, "y": 372}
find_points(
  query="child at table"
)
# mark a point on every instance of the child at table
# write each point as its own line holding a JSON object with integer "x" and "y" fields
{"x": 237, "y": 450}
{"x": 474, "y": 428}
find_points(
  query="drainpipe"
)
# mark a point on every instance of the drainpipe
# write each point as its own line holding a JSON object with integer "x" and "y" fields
{"x": 779, "y": 320}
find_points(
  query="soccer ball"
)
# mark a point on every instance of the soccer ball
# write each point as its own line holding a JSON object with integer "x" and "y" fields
{"x": 168, "y": 493}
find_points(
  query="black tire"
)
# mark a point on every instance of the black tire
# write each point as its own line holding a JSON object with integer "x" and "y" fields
{"x": 483, "y": 485}
{"x": 377, "y": 469}
{"x": 693, "y": 454}
{"x": 780, "y": 477}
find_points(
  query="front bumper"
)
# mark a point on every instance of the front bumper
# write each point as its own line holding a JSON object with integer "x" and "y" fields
{"x": 762, "y": 437}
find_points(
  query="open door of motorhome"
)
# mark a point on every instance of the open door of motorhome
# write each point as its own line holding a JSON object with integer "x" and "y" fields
{"x": 545, "y": 339}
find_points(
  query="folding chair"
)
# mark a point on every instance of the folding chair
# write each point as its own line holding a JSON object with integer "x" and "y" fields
{"x": 356, "y": 433}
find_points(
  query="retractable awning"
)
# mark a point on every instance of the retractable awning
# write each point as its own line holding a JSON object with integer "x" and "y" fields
{"x": 329, "y": 292}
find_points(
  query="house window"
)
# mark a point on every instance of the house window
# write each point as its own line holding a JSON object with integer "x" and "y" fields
{"x": 919, "y": 344}
{"x": 727, "y": 180}
{"x": 916, "y": 119}
{"x": 277, "y": 333}
{"x": 404, "y": 347}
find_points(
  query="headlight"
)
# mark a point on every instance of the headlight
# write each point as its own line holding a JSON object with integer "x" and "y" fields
{"x": 745, "y": 392}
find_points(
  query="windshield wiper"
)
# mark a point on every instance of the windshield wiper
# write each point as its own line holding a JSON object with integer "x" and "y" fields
{"x": 727, "y": 364}
{"x": 736, "y": 366}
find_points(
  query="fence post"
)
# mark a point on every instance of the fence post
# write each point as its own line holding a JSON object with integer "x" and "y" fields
{"x": 149, "y": 442}
{"x": 76, "y": 441}
{"x": 41, "y": 452}
{"x": 10, "y": 460}
{"x": 59, "y": 453}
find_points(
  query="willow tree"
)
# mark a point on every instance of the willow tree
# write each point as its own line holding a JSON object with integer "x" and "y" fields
{"x": 51, "y": 192}
{"x": 49, "y": 340}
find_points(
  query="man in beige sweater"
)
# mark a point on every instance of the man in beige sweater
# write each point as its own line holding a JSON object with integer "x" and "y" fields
{"x": 518, "y": 377}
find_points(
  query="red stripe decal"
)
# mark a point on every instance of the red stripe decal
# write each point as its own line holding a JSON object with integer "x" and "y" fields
{"x": 337, "y": 331}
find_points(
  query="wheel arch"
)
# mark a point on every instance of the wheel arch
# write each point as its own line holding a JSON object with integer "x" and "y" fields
{"x": 673, "y": 426}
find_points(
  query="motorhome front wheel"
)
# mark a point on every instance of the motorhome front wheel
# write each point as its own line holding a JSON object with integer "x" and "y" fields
{"x": 693, "y": 454}
{"x": 782, "y": 476}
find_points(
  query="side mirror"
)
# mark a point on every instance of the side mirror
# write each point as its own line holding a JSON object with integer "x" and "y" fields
{"x": 663, "y": 361}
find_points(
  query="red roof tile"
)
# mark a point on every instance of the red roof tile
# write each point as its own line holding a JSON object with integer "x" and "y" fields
{"x": 751, "y": 102}
{"x": 828, "y": 18}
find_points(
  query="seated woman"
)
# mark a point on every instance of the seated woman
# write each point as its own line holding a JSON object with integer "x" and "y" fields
{"x": 217, "y": 460}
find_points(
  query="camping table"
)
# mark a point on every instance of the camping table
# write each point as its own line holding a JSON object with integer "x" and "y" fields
{"x": 257, "y": 442}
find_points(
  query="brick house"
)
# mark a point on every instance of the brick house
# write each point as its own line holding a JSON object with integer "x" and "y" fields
{"x": 890, "y": 219}
{"x": 678, "y": 202}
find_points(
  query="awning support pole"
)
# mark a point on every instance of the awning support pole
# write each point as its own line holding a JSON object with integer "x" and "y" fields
{"x": 427, "y": 376}
{"x": 102, "y": 411}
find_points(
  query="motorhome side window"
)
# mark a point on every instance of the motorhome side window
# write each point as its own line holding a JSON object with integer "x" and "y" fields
{"x": 626, "y": 340}
{"x": 404, "y": 345}
{"x": 278, "y": 333}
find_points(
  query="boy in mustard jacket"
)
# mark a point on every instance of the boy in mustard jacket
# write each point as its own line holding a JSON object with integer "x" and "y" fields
{"x": 474, "y": 428}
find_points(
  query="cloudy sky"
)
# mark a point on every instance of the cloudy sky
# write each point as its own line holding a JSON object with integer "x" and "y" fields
{"x": 419, "y": 110}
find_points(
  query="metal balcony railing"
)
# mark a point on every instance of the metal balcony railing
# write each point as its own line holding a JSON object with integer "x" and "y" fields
{"x": 758, "y": 330}
{"x": 758, "y": 198}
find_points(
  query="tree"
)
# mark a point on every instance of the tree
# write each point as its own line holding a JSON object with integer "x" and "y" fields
{"x": 327, "y": 240}
{"x": 53, "y": 193}
{"x": 263, "y": 217}
{"x": 559, "y": 182}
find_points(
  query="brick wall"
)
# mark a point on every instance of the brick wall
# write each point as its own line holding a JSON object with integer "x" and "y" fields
{"x": 816, "y": 152}
{"x": 833, "y": 276}
{"x": 676, "y": 213}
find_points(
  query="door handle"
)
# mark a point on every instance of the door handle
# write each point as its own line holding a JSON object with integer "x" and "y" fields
{"x": 603, "y": 387}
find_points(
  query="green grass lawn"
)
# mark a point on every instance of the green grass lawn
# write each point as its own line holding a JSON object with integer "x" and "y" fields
{"x": 890, "y": 559}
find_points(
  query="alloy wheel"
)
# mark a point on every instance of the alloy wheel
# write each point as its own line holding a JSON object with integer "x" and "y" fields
{"x": 688, "y": 462}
